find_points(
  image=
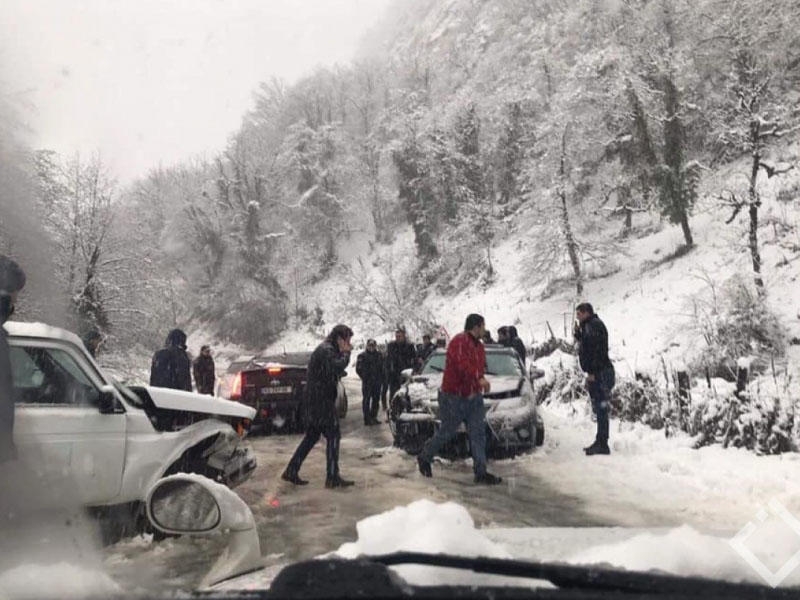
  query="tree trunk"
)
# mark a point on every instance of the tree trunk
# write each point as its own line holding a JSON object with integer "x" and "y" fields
{"x": 566, "y": 227}
{"x": 755, "y": 202}
{"x": 687, "y": 233}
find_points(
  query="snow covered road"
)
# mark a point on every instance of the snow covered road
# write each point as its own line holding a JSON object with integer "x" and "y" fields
{"x": 647, "y": 484}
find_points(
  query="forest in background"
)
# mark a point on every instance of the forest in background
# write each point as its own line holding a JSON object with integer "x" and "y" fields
{"x": 457, "y": 119}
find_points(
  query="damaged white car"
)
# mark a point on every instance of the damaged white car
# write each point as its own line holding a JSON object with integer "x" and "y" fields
{"x": 110, "y": 441}
{"x": 513, "y": 421}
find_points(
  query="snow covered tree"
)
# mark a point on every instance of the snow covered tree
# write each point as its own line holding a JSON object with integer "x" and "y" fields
{"x": 474, "y": 202}
{"x": 509, "y": 157}
{"x": 758, "y": 105}
{"x": 76, "y": 198}
{"x": 416, "y": 193}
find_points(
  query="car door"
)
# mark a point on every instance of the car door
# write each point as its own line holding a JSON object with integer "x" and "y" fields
{"x": 59, "y": 425}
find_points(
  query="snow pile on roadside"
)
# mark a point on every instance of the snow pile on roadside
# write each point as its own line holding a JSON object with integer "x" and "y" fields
{"x": 667, "y": 481}
{"x": 424, "y": 526}
{"x": 61, "y": 580}
{"x": 687, "y": 552}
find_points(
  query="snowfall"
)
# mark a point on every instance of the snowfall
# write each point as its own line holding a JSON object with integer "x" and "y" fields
{"x": 716, "y": 512}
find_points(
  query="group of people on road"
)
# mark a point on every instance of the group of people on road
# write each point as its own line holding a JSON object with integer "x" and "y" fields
{"x": 172, "y": 367}
{"x": 460, "y": 397}
{"x": 383, "y": 374}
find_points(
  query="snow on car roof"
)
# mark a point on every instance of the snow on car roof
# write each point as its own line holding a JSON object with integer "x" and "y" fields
{"x": 40, "y": 330}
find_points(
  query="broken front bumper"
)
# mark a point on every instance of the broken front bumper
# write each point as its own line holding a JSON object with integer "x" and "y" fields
{"x": 233, "y": 466}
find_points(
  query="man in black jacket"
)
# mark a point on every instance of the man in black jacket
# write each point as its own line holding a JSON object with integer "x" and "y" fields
{"x": 400, "y": 355}
{"x": 12, "y": 280}
{"x": 369, "y": 366}
{"x": 424, "y": 350}
{"x": 592, "y": 338}
{"x": 325, "y": 367}
{"x": 517, "y": 343}
{"x": 204, "y": 372}
{"x": 171, "y": 367}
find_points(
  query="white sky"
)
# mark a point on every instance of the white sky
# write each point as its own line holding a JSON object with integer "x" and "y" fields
{"x": 148, "y": 82}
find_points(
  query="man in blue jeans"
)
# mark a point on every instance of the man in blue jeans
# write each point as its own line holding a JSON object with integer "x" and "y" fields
{"x": 461, "y": 400}
{"x": 592, "y": 337}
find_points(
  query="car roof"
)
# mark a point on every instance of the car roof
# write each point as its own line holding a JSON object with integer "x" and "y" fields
{"x": 41, "y": 331}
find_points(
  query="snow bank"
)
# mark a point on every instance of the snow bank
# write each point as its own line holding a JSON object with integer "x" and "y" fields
{"x": 424, "y": 526}
{"x": 61, "y": 580}
{"x": 687, "y": 552}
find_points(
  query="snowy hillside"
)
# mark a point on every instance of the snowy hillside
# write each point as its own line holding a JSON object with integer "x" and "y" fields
{"x": 647, "y": 303}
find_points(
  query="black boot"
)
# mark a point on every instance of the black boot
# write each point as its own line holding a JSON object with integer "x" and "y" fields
{"x": 488, "y": 479}
{"x": 338, "y": 482}
{"x": 424, "y": 467}
{"x": 598, "y": 448}
{"x": 292, "y": 477}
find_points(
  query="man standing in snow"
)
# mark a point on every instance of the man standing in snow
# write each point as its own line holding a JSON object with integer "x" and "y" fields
{"x": 369, "y": 366}
{"x": 592, "y": 338}
{"x": 516, "y": 343}
{"x": 171, "y": 367}
{"x": 92, "y": 340}
{"x": 12, "y": 280}
{"x": 204, "y": 374}
{"x": 461, "y": 400}
{"x": 424, "y": 350}
{"x": 325, "y": 367}
{"x": 400, "y": 355}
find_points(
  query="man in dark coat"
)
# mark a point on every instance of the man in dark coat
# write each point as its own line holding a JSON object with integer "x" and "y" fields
{"x": 369, "y": 366}
{"x": 325, "y": 367}
{"x": 171, "y": 367}
{"x": 424, "y": 350}
{"x": 12, "y": 280}
{"x": 517, "y": 343}
{"x": 92, "y": 341}
{"x": 203, "y": 370}
{"x": 400, "y": 355}
{"x": 592, "y": 337}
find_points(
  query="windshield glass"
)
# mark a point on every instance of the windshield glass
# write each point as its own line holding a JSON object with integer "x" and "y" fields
{"x": 258, "y": 217}
{"x": 435, "y": 364}
{"x": 497, "y": 363}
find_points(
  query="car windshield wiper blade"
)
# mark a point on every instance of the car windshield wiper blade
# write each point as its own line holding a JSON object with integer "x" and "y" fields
{"x": 591, "y": 577}
{"x": 435, "y": 368}
{"x": 491, "y": 373}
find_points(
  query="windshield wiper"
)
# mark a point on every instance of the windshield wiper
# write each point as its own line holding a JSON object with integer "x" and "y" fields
{"x": 435, "y": 368}
{"x": 491, "y": 373}
{"x": 592, "y": 577}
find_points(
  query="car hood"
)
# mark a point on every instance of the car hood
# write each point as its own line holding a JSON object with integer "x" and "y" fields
{"x": 198, "y": 403}
{"x": 427, "y": 386}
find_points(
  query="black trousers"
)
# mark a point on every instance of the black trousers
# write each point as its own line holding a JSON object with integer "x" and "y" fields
{"x": 370, "y": 399}
{"x": 313, "y": 432}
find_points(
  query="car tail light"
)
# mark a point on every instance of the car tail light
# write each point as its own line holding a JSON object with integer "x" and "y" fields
{"x": 274, "y": 370}
{"x": 236, "y": 387}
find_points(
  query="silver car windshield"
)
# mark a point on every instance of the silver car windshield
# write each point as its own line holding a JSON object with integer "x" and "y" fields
{"x": 501, "y": 364}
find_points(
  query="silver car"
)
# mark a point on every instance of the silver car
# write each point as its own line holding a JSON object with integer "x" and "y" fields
{"x": 513, "y": 421}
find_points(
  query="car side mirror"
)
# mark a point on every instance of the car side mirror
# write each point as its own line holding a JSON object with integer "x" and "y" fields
{"x": 188, "y": 504}
{"x": 107, "y": 400}
{"x": 406, "y": 374}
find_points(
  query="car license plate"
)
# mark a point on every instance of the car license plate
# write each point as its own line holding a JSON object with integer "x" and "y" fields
{"x": 278, "y": 389}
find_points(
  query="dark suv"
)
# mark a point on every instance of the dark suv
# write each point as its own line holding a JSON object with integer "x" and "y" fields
{"x": 275, "y": 386}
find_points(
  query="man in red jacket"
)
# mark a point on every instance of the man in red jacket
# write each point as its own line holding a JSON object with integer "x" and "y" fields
{"x": 461, "y": 400}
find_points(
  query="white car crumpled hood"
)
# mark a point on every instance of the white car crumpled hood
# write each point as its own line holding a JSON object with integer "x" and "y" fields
{"x": 169, "y": 399}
